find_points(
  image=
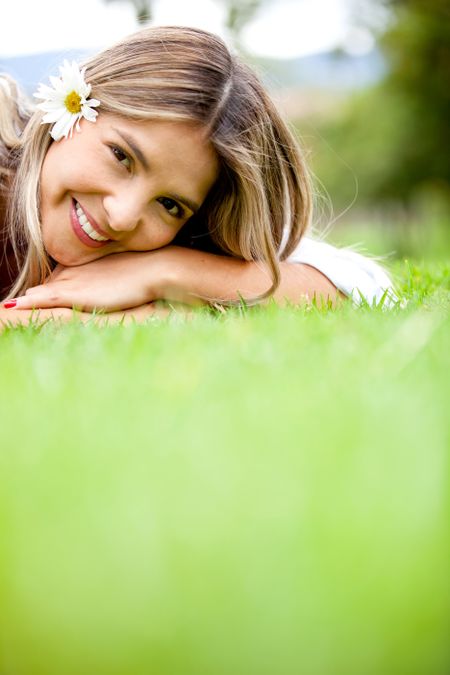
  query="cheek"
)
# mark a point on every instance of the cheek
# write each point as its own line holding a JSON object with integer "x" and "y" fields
{"x": 158, "y": 237}
{"x": 152, "y": 236}
{"x": 54, "y": 206}
{"x": 157, "y": 231}
{"x": 63, "y": 170}
{"x": 51, "y": 183}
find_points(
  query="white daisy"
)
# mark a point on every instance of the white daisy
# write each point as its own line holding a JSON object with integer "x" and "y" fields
{"x": 66, "y": 102}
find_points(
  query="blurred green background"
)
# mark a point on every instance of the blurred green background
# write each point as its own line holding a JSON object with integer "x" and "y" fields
{"x": 383, "y": 149}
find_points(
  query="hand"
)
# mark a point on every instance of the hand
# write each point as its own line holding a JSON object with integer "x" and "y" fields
{"x": 116, "y": 282}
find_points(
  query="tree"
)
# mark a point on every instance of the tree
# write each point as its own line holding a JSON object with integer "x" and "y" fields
{"x": 417, "y": 47}
{"x": 394, "y": 136}
{"x": 143, "y": 9}
{"x": 238, "y": 14}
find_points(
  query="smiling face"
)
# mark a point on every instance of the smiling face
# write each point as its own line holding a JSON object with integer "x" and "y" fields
{"x": 121, "y": 185}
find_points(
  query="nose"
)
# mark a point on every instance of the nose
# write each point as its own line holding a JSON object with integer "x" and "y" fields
{"x": 125, "y": 209}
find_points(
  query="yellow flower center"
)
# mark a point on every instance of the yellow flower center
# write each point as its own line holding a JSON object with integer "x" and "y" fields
{"x": 73, "y": 102}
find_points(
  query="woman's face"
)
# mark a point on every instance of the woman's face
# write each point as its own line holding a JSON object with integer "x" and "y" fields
{"x": 120, "y": 185}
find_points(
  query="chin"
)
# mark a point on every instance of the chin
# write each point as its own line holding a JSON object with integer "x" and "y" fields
{"x": 69, "y": 258}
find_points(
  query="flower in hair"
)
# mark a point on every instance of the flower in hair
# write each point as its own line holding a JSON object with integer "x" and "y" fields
{"x": 66, "y": 101}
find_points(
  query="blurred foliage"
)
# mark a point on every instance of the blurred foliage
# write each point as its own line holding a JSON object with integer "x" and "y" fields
{"x": 238, "y": 14}
{"x": 142, "y": 8}
{"x": 418, "y": 49}
{"x": 392, "y": 139}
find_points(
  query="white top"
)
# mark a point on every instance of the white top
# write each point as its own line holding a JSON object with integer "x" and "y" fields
{"x": 352, "y": 273}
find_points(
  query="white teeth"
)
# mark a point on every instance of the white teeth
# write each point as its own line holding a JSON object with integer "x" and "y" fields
{"x": 86, "y": 225}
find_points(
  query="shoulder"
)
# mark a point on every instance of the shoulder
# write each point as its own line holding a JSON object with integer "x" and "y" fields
{"x": 356, "y": 275}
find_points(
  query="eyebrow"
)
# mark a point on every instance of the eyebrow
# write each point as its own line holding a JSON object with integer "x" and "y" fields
{"x": 135, "y": 148}
{"x": 193, "y": 206}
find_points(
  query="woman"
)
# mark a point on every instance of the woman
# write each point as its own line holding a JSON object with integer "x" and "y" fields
{"x": 180, "y": 181}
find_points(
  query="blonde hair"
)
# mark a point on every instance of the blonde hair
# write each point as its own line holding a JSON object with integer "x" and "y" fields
{"x": 177, "y": 73}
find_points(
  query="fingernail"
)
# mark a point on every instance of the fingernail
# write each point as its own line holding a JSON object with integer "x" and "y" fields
{"x": 10, "y": 303}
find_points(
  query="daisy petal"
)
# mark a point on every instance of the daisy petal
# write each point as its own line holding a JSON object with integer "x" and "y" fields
{"x": 55, "y": 81}
{"x": 49, "y": 106}
{"x": 66, "y": 101}
{"x": 51, "y": 116}
{"x": 44, "y": 91}
{"x": 63, "y": 126}
{"x": 88, "y": 113}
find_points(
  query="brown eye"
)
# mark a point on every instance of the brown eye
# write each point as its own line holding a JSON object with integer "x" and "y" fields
{"x": 121, "y": 156}
{"x": 172, "y": 207}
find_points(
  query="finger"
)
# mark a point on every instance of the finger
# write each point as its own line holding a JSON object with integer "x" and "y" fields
{"x": 40, "y": 298}
{"x": 43, "y": 289}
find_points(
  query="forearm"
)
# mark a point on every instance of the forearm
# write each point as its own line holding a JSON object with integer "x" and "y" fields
{"x": 35, "y": 317}
{"x": 128, "y": 280}
{"x": 191, "y": 274}
{"x": 59, "y": 315}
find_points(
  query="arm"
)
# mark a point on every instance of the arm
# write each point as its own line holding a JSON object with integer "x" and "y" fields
{"x": 26, "y": 317}
{"x": 126, "y": 280}
{"x": 192, "y": 274}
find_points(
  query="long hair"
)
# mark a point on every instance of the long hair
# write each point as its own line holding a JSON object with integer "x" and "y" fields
{"x": 260, "y": 205}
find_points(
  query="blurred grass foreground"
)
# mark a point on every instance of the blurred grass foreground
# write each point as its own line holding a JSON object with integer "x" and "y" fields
{"x": 261, "y": 492}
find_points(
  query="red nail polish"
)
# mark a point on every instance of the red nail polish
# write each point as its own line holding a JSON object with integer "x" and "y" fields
{"x": 10, "y": 303}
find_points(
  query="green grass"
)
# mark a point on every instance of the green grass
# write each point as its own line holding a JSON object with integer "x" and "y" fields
{"x": 260, "y": 492}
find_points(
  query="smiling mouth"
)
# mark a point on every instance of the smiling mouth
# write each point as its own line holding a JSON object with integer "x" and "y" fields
{"x": 86, "y": 225}
{"x": 85, "y": 229}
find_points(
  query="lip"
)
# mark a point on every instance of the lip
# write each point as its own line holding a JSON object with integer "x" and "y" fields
{"x": 81, "y": 234}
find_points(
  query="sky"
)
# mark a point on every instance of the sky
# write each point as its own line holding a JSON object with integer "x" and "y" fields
{"x": 285, "y": 28}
